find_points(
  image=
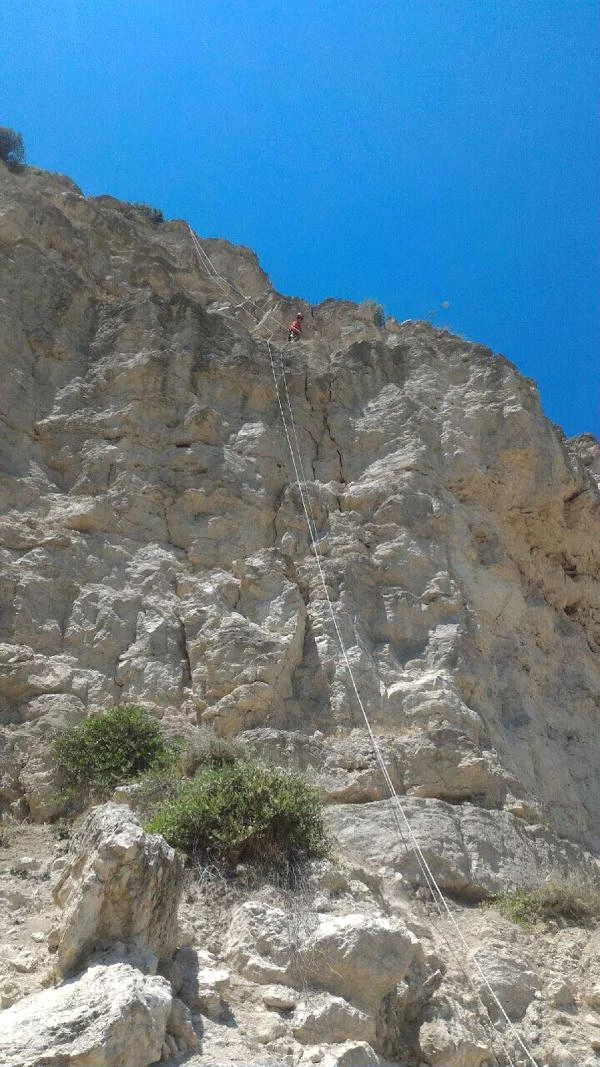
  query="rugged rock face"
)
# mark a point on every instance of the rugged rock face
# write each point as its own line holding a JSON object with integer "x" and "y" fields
{"x": 154, "y": 549}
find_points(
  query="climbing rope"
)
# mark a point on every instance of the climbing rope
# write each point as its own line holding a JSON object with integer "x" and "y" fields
{"x": 225, "y": 285}
{"x": 400, "y": 817}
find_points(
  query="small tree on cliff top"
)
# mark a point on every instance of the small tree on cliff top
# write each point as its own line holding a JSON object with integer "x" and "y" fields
{"x": 12, "y": 149}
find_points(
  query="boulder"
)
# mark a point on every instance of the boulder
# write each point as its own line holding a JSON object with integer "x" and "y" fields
{"x": 351, "y": 1054}
{"x": 513, "y": 983}
{"x": 111, "y": 1016}
{"x": 260, "y": 945}
{"x": 450, "y": 1044}
{"x": 359, "y": 956}
{"x": 121, "y": 885}
{"x": 324, "y": 1018}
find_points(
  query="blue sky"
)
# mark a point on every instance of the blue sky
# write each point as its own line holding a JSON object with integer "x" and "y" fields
{"x": 415, "y": 152}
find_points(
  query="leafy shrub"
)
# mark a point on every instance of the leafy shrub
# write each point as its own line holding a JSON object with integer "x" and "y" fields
{"x": 516, "y": 905}
{"x": 153, "y": 214}
{"x": 107, "y": 749}
{"x": 573, "y": 897}
{"x": 154, "y": 787}
{"x": 12, "y": 149}
{"x": 242, "y": 812}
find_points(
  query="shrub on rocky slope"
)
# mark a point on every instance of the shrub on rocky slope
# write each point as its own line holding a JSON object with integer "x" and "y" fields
{"x": 241, "y": 812}
{"x": 96, "y": 755}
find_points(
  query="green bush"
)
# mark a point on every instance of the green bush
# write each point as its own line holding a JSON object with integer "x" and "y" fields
{"x": 242, "y": 812}
{"x": 573, "y": 897}
{"x": 516, "y": 905}
{"x": 111, "y": 748}
{"x": 12, "y": 149}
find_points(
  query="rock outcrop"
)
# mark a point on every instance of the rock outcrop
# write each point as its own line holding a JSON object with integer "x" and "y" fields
{"x": 119, "y": 890}
{"x": 361, "y": 957}
{"x": 472, "y": 852}
{"x": 120, "y": 886}
{"x": 111, "y": 1017}
{"x": 154, "y": 549}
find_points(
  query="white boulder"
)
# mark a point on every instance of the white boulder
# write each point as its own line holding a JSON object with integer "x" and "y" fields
{"x": 122, "y": 885}
{"x": 360, "y": 956}
{"x": 324, "y": 1018}
{"x": 111, "y": 1016}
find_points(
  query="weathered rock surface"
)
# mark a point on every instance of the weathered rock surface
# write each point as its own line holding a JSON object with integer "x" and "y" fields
{"x": 198, "y": 980}
{"x": 109, "y": 1017}
{"x": 470, "y": 851}
{"x": 352, "y": 1054}
{"x": 357, "y": 956}
{"x": 154, "y": 549}
{"x": 327, "y": 1019}
{"x": 120, "y": 886}
{"x": 445, "y": 1045}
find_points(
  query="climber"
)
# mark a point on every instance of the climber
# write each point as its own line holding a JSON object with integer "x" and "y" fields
{"x": 295, "y": 328}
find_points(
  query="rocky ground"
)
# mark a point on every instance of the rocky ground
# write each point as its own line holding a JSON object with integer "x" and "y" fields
{"x": 260, "y": 974}
{"x": 154, "y": 549}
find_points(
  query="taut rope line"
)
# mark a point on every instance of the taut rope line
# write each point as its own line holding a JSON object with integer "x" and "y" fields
{"x": 399, "y": 813}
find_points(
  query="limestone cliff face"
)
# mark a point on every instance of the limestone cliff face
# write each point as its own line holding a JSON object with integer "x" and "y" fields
{"x": 154, "y": 548}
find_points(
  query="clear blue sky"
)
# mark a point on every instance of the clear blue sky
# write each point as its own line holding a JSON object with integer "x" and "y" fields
{"x": 409, "y": 151}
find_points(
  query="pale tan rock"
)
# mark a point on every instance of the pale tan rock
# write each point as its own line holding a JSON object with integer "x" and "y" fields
{"x": 278, "y": 998}
{"x": 198, "y": 980}
{"x": 121, "y": 885}
{"x": 450, "y": 1044}
{"x": 589, "y": 973}
{"x": 458, "y": 530}
{"x": 360, "y": 956}
{"x": 268, "y": 1027}
{"x": 561, "y": 993}
{"x": 469, "y": 850}
{"x": 351, "y": 1054}
{"x": 110, "y": 1016}
{"x": 514, "y": 984}
{"x": 154, "y": 549}
{"x": 260, "y": 945}
{"x": 591, "y": 996}
{"x": 326, "y": 1019}
{"x": 181, "y": 1028}
{"x": 355, "y": 956}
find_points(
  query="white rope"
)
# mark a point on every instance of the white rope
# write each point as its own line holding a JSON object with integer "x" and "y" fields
{"x": 212, "y": 271}
{"x": 312, "y": 526}
{"x": 399, "y": 813}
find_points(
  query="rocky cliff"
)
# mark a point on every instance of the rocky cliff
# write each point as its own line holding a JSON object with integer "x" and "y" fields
{"x": 154, "y": 549}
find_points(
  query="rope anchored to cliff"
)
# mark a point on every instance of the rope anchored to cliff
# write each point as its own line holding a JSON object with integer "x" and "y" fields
{"x": 402, "y": 822}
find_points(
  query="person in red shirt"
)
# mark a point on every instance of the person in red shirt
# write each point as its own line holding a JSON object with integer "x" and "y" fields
{"x": 295, "y": 328}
